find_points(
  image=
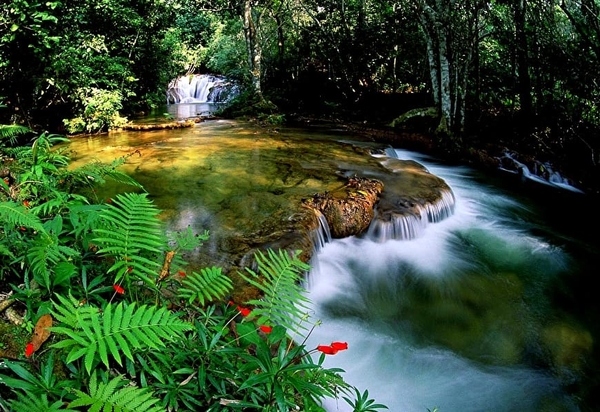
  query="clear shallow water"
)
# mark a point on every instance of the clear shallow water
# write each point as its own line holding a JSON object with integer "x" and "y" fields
{"x": 234, "y": 179}
{"x": 475, "y": 314}
{"x": 490, "y": 309}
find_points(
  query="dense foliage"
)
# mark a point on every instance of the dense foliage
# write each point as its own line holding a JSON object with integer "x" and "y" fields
{"x": 522, "y": 71}
{"x": 105, "y": 315}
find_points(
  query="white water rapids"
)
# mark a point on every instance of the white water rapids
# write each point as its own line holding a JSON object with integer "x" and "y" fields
{"x": 455, "y": 318}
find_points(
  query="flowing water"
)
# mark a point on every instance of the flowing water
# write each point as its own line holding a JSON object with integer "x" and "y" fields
{"x": 479, "y": 312}
{"x": 488, "y": 309}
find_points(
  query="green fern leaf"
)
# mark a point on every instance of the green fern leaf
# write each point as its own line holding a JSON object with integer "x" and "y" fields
{"x": 30, "y": 402}
{"x": 121, "y": 328}
{"x": 10, "y": 132}
{"x": 17, "y": 215}
{"x": 132, "y": 233}
{"x": 279, "y": 279}
{"x": 208, "y": 285}
{"x": 114, "y": 396}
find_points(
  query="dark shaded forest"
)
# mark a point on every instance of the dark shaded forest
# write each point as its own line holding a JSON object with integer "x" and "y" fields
{"x": 517, "y": 73}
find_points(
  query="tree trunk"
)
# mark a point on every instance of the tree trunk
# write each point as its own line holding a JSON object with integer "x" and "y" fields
{"x": 522, "y": 58}
{"x": 253, "y": 48}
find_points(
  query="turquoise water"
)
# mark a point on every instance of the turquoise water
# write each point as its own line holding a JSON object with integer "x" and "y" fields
{"x": 478, "y": 313}
{"x": 491, "y": 308}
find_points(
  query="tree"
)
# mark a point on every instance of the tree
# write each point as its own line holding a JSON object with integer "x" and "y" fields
{"x": 451, "y": 30}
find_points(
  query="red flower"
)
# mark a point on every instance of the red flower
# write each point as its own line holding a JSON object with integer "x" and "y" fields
{"x": 327, "y": 350}
{"x": 26, "y": 203}
{"x": 129, "y": 269}
{"x": 7, "y": 181}
{"x": 339, "y": 345}
{"x": 181, "y": 273}
{"x": 266, "y": 329}
{"x": 119, "y": 289}
{"x": 244, "y": 311}
{"x": 29, "y": 350}
{"x": 23, "y": 228}
{"x": 108, "y": 201}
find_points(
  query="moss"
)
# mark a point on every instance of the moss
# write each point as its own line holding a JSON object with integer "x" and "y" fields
{"x": 12, "y": 340}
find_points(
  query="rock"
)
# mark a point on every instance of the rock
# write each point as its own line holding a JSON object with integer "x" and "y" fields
{"x": 349, "y": 210}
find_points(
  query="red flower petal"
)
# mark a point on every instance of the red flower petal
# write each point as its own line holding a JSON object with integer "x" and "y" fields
{"x": 26, "y": 203}
{"x": 339, "y": 345}
{"x": 181, "y": 273}
{"x": 119, "y": 289}
{"x": 327, "y": 350}
{"x": 244, "y": 311}
{"x": 7, "y": 181}
{"x": 29, "y": 350}
{"x": 266, "y": 329}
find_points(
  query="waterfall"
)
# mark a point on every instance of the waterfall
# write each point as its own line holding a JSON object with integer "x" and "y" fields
{"x": 453, "y": 315}
{"x": 201, "y": 88}
{"x": 542, "y": 173}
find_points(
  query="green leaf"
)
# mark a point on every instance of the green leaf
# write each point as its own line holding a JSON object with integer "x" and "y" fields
{"x": 279, "y": 278}
{"x": 118, "y": 328}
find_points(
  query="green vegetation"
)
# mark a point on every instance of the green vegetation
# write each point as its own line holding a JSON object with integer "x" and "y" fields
{"x": 523, "y": 72}
{"x": 110, "y": 319}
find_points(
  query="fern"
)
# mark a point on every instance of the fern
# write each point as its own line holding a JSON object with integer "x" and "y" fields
{"x": 10, "y": 132}
{"x": 96, "y": 172}
{"x": 45, "y": 255}
{"x": 283, "y": 300}
{"x": 118, "y": 329}
{"x": 28, "y": 402}
{"x": 133, "y": 235}
{"x": 209, "y": 284}
{"x": 108, "y": 397}
{"x": 18, "y": 216}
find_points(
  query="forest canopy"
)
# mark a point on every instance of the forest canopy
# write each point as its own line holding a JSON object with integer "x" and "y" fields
{"x": 505, "y": 69}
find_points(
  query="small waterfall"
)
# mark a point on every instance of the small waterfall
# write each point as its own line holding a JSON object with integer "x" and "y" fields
{"x": 539, "y": 172}
{"x": 407, "y": 226}
{"x": 200, "y": 88}
{"x": 401, "y": 227}
{"x": 406, "y": 220}
{"x": 442, "y": 209}
{"x": 322, "y": 235}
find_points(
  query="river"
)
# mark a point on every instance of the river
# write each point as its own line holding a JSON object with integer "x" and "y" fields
{"x": 491, "y": 308}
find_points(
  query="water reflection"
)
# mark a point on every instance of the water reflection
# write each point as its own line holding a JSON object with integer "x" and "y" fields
{"x": 232, "y": 178}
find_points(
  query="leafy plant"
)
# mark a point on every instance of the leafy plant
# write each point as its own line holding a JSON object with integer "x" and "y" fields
{"x": 278, "y": 278}
{"x": 114, "y": 396}
{"x": 211, "y": 284}
{"x": 132, "y": 234}
{"x": 362, "y": 403}
{"x": 119, "y": 329}
{"x": 100, "y": 113}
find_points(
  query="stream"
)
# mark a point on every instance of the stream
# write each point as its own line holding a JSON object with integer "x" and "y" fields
{"x": 491, "y": 308}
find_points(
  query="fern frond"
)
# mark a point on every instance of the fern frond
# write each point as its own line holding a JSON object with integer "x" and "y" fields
{"x": 113, "y": 396}
{"x": 118, "y": 329}
{"x": 97, "y": 172}
{"x": 18, "y": 216}
{"x": 4, "y": 251}
{"x": 283, "y": 301}
{"x": 132, "y": 232}
{"x": 29, "y": 402}
{"x": 10, "y": 132}
{"x": 44, "y": 255}
{"x": 208, "y": 285}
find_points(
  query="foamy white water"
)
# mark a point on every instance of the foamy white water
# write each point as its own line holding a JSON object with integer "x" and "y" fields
{"x": 449, "y": 319}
